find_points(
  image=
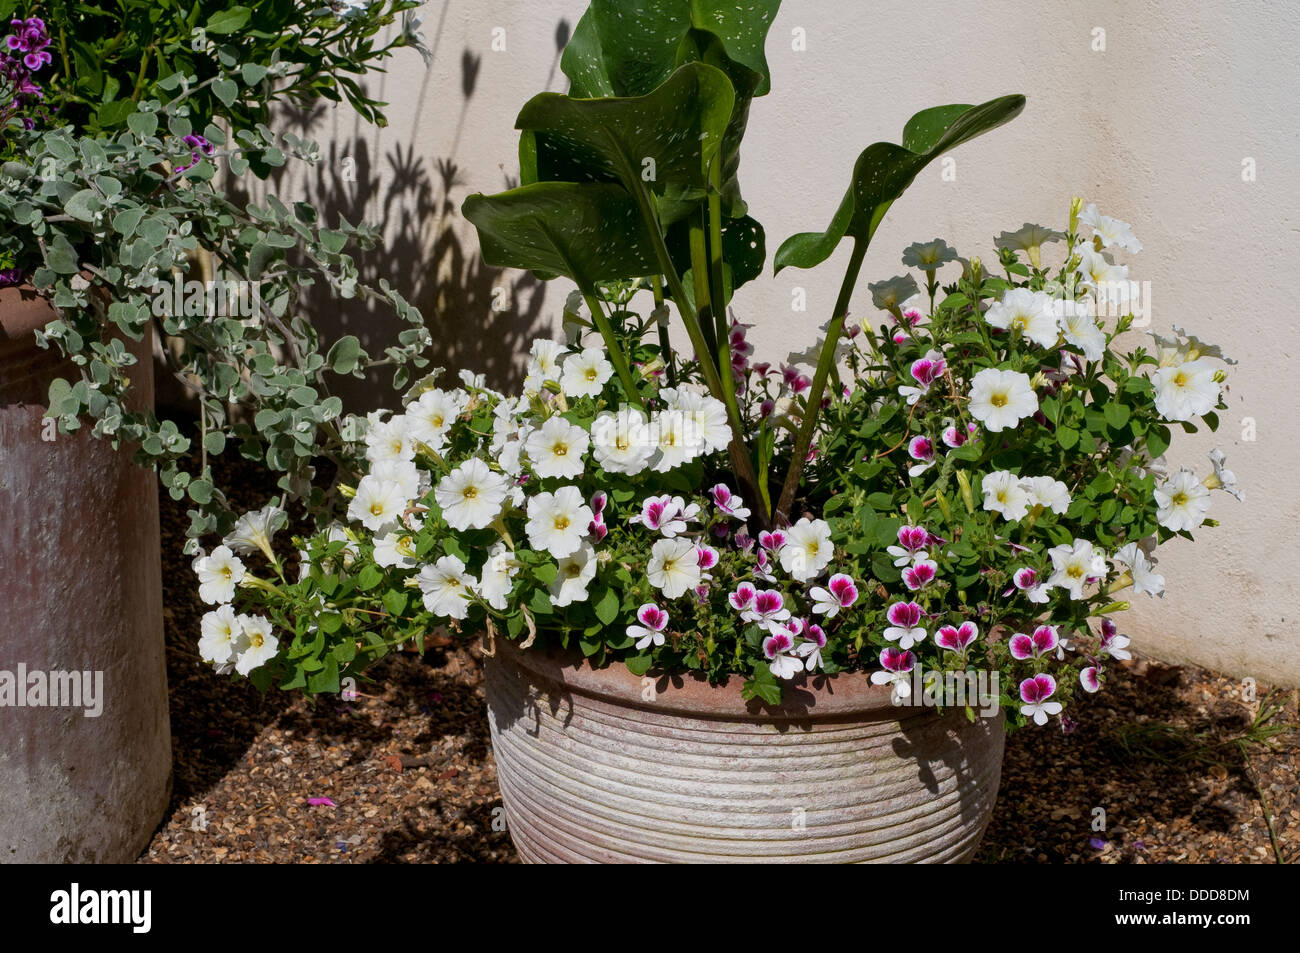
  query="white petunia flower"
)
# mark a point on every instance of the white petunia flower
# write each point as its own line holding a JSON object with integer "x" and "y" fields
{"x": 1223, "y": 479}
{"x": 255, "y": 645}
{"x": 378, "y": 504}
{"x": 471, "y": 496}
{"x": 219, "y": 631}
{"x": 430, "y": 417}
{"x": 1108, "y": 281}
{"x": 1029, "y": 238}
{"x": 621, "y": 442}
{"x": 390, "y": 440}
{"x": 674, "y": 566}
{"x": 446, "y": 587}
{"x": 1182, "y": 501}
{"x": 704, "y": 417}
{"x": 543, "y": 364}
{"x": 1032, "y": 313}
{"x": 1110, "y": 231}
{"x": 1001, "y": 399}
{"x": 555, "y": 449}
{"x": 218, "y": 574}
{"x": 1049, "y": 493}
{"x": 585, "y": 374}
{"x": 1186, "y": 390}
{"x": 498, "y": 576}
{"x": 1005, "y": 493}
{"x": 575, "y": 571}
{"x": 1139, "y": 567}
{"x": 675, "y": 438}
{"x": 557, "y": 522}
{"x": 808, "y": 549}
{"x": 253, "y": 531}
{"x": 396, "y": 550}
{"x": 1074, "y": 565}
{"x": 404, "y": 473}
{"x": 1078, "y": 319}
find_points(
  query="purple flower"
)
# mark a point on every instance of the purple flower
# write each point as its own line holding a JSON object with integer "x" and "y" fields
{"x": 321, "y": 802}
{"x": 956, "y": 638}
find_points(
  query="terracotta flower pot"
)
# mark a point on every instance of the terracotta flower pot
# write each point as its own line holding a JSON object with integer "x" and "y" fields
{"x": 604, "y": 766}
{"x": 80, "y": 593}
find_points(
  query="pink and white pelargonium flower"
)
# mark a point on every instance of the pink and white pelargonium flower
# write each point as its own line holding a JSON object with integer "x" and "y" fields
{"x": 1045, "y": 639}
{"x": 920, "y": 449}
{"x": 925, "y": 372}
{"x": 651, "y": 630}
{"x": 667, "y": 514}
{"x": 905, "y": 624}
{"x": 913, "y": 546}
{"x": 708, "y": 559}
{"x": 1112, "y": 643}
{"x": 814, "y": 640}
{"x": 728, "y": 503}
{"x": 779, "y": 649}
{"x": 954, "y": 436}
{"x": 1090, "y": 678}
{"x": 897, "y": 664}
{"x": 919, "y": 576}
{"x": 1035, "y": 692}
{"x": 742, "y": 600}
{"x": 1026, "y": 581}
{"x": 840, "y": 593}
{"x": 767, "y": 611}
{"x": 957, "y": 638}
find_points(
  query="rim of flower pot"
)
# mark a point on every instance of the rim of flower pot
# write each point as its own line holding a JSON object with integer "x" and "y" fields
{"x": 23, "y": 311}
{"x": 842, "y": 696}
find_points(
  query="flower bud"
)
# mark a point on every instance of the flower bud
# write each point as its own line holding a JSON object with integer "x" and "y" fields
{"x": 963, "y": 481}
{"x": 1076, "y": 206}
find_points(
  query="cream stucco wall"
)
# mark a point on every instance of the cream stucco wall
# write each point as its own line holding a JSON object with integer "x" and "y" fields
{"x": 1155, "y": 129}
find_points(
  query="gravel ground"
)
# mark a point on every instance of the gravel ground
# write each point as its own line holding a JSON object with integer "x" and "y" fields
{"x": 1178, "y": 762}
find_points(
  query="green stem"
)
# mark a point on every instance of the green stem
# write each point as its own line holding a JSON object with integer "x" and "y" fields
{"x": 612, "y": 345}
{"x": 665, "y": 346}
{"x": 813, "y": 405}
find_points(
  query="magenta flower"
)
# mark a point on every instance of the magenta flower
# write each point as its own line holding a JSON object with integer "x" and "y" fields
{"x": 667, "y": 514}
{"x": 905, "y": 624}
{"x": 1090, "y": 678}
{"x": 767, "y": 611}
{"x": 954, "y": 437}
{"x": 811, "y": 647}
{"x": 913, "y": 543}
{"x": 1035, "y": 692}
{"x": 651, "y": 630}
{"x": 896, "y": 663}
{"x": 598, "y": 501}
{"x": 1034, "y": 646}
{"x": 742, "y": 600}
{"x": 777, "y": 647}
{"x": 728, "y": 503}
{"x": 920, "y": 449}
{"x": 920, "y": 575}
{"x": 321, "y": 802}
{"x": 597, "y": 529}
{"x": 708, "y": 556}
{"x": 956, "y": 638}
{"x": 840, "y": 593}
{"x": 1112, "y": 643}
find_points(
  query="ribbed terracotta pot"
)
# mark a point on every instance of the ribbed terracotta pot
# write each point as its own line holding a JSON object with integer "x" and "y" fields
{"x": 602, "y": 766}
{"x": 80, "y": 591}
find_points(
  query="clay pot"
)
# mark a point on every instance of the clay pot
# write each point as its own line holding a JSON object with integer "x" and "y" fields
{"x": 604, "y": 766}
{"x": 80, "y": 592}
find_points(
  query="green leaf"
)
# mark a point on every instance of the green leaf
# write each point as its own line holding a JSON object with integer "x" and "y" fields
{"x": 664, "y": 139}
{"x": 143, "y": 125}
{"x": 1117, "y": 415}
{"x": 228, "y": 20}
{"x": 344, "y": 356}
{"x": 83, "y": 205}
{"x": 1067, "y": 437}
{"x": 639, "y": 664}
{"x": 1158, "y": 438}
{"x": 884, "y": 170}
{"x": 113, "y": 114}
{"x": 607, "y": 606}
{"x": 253, "y": 73}
{"x": 201, "y": 491}
{"x": 369, "y": 577}
{"x": 589, "y": 233}
{"x": 226, "y": 90}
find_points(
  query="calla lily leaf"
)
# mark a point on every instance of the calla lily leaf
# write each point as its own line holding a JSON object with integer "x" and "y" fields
{"x": 589, "y": 232}
{"x": 884, "y": 170}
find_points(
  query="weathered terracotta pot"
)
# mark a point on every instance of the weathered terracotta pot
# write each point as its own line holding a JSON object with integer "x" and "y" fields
{"x": 603, "y": 766}
{"x": 80, "y": 591}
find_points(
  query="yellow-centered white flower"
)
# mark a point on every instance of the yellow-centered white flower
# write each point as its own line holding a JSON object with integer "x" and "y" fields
{"x": 471, "y": 495}
{"x": 674, "y": 566}
{"x": 808, "y": 549}
{"x": 557, "y": 522}
{"x": 378, "y": 504}
{"x": 572, "y": 575}
{"x": 430, "y": 418}
{"x": 219, "y": 629}
{"x": 255, "y": 645}
{"x": 1005, "y": 493}
{"x": 1187, "y": 390}
{"x": 1032, "y": 313}
{"x": 585, "y": 374}
{"x": 1182, "y": 501}
{"x": 1074, "y": 565}
{"x": 446, "y": 587}
{"x": 1001, "y": 399}
{"x": 621, "y": 441}
{"x": 218, "y": 574}
{"x": 555, "y": 449}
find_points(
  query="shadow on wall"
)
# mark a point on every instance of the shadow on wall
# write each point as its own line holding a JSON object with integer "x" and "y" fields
{"x": 481, "y": 318}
